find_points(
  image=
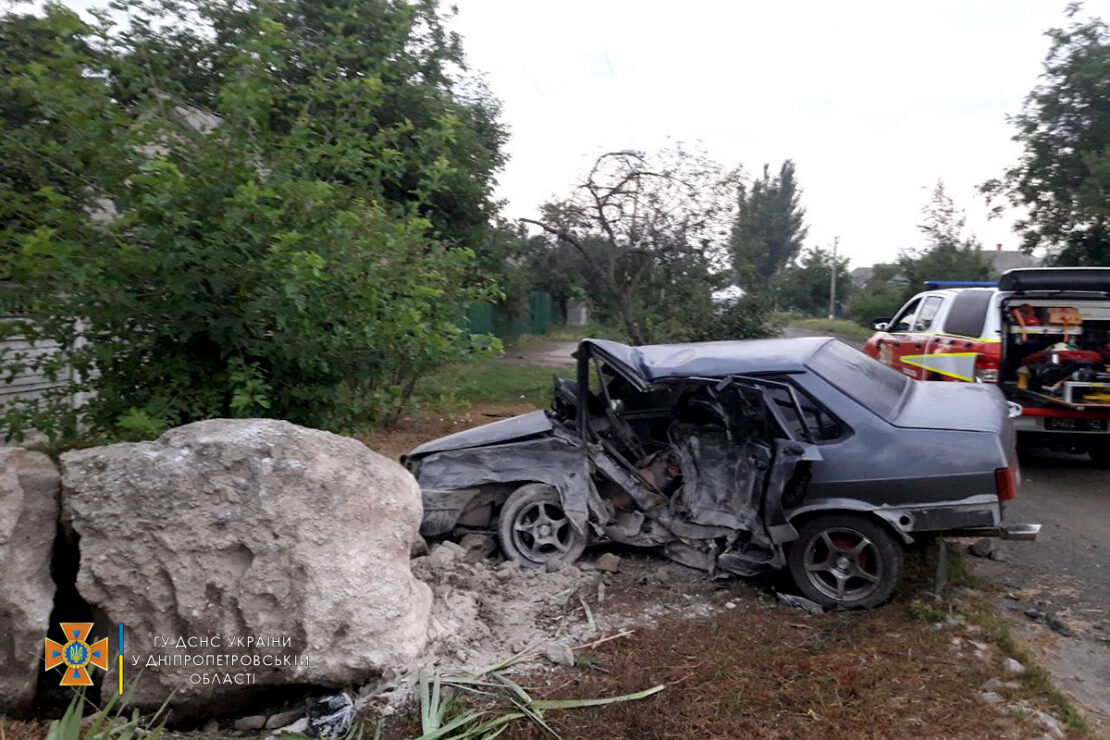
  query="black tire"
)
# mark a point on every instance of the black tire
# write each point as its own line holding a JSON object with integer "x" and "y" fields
{"x": 521, "y": 527}
{"x": 845, "y": 561}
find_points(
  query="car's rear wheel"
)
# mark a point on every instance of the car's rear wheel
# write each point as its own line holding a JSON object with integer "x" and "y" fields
{"x": 845, "y": 561}
{"x": 535, "y": 530}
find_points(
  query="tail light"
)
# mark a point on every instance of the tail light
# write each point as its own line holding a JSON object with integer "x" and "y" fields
{"x": 1008, "y": 480}
{"x": 986, "y": 368}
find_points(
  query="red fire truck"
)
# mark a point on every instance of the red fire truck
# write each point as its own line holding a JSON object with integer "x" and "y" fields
{"x": 1042, "y": 334}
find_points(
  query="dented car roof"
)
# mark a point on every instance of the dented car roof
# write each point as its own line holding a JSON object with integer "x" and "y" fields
{"x": 710, "y": 359}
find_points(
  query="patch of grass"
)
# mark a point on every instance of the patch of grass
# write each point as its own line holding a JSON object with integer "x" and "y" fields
{"x": 829, "y": 326}
{"x": 490, "y": 381}
{"x": 593, "y": 330}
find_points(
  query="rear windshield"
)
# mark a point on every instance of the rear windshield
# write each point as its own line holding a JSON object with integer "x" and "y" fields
{"x": 968, "y": 312}
{"x": 870, "y": 383}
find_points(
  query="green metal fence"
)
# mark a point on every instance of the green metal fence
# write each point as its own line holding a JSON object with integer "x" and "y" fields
{"x": 487, "y": 318}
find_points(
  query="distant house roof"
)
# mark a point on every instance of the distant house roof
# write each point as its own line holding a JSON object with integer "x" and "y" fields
{"x": 861, "y": 275}
{"x": 1002, "y": 260}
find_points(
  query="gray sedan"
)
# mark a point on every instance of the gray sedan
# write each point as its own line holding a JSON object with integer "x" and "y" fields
{"x": 742, "y": 457}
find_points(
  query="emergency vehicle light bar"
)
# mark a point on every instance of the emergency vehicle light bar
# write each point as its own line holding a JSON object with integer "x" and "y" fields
{"x": 937, "y": 284}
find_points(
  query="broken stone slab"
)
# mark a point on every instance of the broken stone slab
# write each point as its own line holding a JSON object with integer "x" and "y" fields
{"x": 560, "y": 653}
{"x": 608, "y": 563}
{"x": 283, "y": 719}
{"x": 249, "y": 724}
{"x": 28, "y": 523}
{"x": 290, "y": 545}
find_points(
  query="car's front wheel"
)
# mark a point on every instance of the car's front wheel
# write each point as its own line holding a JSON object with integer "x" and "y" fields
{"x": 845, "y": 561}
{"x": 535, "y": 530}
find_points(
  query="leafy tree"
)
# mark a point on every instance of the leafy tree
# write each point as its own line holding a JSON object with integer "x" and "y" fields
{"x": 237, "y": 210}
{"x": 1062, "y": 180}
{"x": 648, "y": 232}
{"x": 950, "y": 254}
{"x": 769, "y": 228}
{"x": 804, "y": 284}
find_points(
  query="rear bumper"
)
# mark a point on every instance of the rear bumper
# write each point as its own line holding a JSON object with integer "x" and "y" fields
{"x": 1019, "y": 532}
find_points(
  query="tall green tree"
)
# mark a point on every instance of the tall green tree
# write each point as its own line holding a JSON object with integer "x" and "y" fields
{"x": 803, "y": 285}
{"x": 1062, "y": 180}
{"x": 950, "y": 253}
{"x": 769, "y": 229}
{"x": 237, "y": 209}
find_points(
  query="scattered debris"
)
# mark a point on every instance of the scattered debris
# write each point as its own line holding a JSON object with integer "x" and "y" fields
{"x": 560, "y": 653}
{"x": 1012, "y": 666}
{"x": 331, "y": 717}
{"x": 609, "y": 563}
{"x": 800, "y": 602}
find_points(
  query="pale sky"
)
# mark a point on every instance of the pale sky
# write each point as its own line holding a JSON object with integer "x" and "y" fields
{"x": 874, "y": 101}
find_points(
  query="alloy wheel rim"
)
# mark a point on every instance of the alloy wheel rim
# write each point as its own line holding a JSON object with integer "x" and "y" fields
{"x": 542, "y": 532}
{"x": 843, "y": 564}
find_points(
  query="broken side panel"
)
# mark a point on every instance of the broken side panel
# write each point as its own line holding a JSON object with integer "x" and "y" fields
{"x": 558, "y": 461}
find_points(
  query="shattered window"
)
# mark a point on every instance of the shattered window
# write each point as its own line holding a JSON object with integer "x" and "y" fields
{"x": 816, "y": 418}
{"x": 869, "y": 383}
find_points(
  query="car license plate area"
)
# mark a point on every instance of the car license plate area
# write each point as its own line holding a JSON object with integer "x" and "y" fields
{"x": 1075, "y": 425}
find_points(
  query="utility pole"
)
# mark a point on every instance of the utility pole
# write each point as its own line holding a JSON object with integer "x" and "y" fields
{"x": 832, "y": 281}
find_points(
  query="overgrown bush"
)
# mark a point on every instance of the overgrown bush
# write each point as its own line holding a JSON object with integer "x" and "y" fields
{"x": 237, "y": 210}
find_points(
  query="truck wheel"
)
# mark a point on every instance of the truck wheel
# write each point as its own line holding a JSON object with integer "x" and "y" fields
{"x": 845, "y": 561}
{"x": 535, "y": 530}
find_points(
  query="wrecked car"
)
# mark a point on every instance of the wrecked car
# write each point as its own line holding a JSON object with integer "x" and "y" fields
{"x": 741, "y": 457}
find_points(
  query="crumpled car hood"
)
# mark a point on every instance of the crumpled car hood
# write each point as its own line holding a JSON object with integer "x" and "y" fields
{"x": 506, "y": 430}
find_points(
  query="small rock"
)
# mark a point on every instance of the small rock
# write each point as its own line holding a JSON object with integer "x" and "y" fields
{"x": 1049, "y": 722}
{"x": 586, "y": 565}
{"x": 983, "y": 548}
{"x": 418, "y": 548}
{"x": 1011, "y": 685}
{"x": 553, "y": 566}
{"x": 247, "y": 724}
{"x": 519, "y": 646}
{"x": 1056, "y": 625}
{"x": 800, "y": 602}
{"x": 1000, "y": 555}
{"x": 443, "y": 555}
{"x": 1034, "y": 614}
{"x": 282, "y": 719}
{"x": 506, "y": 574}
{"x": 1012, "y": 666}
{"x": 478, "y": 546}
{"x": 609, "y": 563}
{"x": 979, "y": 645}
{"x": 991, "y": 684}
{"x": 297, "y": 728}
{"x": 989, "y": 697}
{"x": 510, "y": 566}
{"x": 730, "y": 605}
{"x": 560, "y": 653}
{"x": 211, "y": 727}
{"x": 455, "y": 547}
